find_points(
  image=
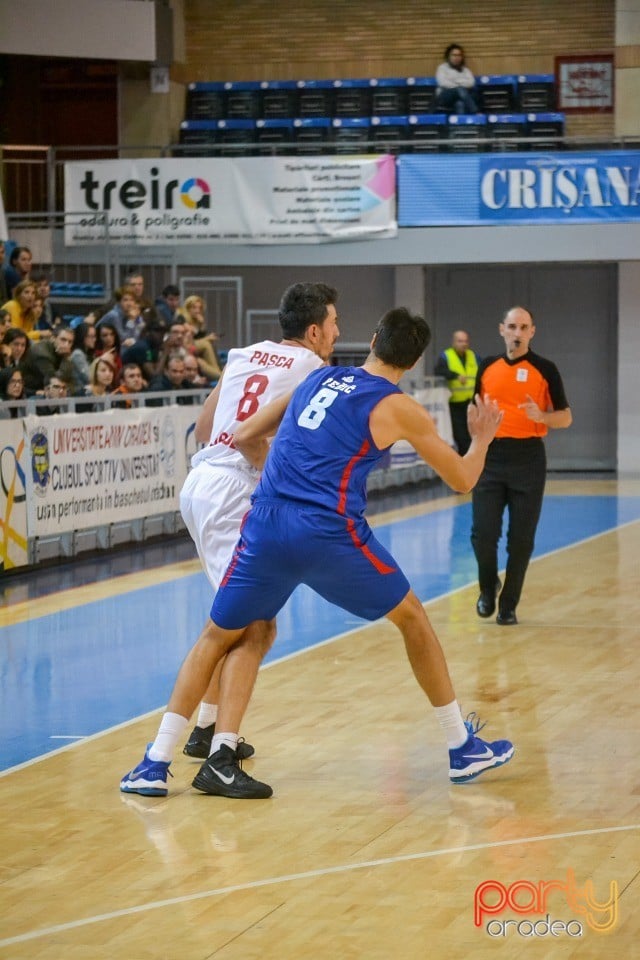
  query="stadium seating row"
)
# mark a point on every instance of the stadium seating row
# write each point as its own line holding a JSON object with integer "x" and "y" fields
{"x": 416, "y": 133}
{"x": 377, "y": 96}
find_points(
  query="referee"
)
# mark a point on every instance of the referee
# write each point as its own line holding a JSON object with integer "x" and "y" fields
{"x": 529, "y": 391}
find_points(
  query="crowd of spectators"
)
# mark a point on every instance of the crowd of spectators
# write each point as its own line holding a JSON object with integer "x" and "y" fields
{"x": 131, "y": 345}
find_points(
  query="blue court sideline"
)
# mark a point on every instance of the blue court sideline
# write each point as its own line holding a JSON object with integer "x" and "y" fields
{"x": 80, "y": 671}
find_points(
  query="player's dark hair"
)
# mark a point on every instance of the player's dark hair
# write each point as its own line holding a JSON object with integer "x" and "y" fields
{"x": 302, "y": 305}
{"x": 401, "y": 338}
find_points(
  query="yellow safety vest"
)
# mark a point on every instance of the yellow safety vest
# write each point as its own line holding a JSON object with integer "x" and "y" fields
{"x": 461, "y": 392}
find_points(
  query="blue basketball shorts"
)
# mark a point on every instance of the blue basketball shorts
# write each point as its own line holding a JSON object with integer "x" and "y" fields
{"x": 283, "y": 544}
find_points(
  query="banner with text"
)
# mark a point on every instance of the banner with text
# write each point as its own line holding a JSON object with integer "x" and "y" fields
{"x": 520, "y": 188}
{"x": 86, "y": 470}
{"x": 13, "y": 496}
{"x": 244, "y": 200}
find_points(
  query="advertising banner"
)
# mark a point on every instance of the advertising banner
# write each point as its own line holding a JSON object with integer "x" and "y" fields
{"x": 519, "y": 188}
{"x": 86, "y": 470}
{"x": 13, "y": 496}
{"x": 240, "y": 200}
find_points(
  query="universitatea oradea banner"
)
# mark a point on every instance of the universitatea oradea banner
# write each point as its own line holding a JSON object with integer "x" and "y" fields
{"x": 519, "y": 188}
{"x": 240, "y": 200}
{"x": 86, "y": 470}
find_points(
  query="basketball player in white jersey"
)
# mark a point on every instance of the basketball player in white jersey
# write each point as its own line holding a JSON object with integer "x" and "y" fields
{"x": 216, "y": 494}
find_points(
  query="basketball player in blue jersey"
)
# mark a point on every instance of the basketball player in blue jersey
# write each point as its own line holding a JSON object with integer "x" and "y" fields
{"x": 307, "y": 526}
{"x": 216, "y": 495}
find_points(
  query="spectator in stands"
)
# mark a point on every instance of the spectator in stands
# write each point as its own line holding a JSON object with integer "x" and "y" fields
{"x": 4, "y": 289}
{"x": 207, "y": 359}
{"x": 5, "y": 323}
{"x": 171, "y": 378}
{"x": 132, "y": 382}
{"x": 11, "y": 388}
{"x": 101, "y": 377}
{"x": 167, "y": 304}
{"x": 20, "y": 357}
{"x": 51, "y": 317}
{"x": 125, "y": 316}
{"x": 193, "y": 313}
{"x": 135, "y": 280}
{"x": 109, "y": 344}
{"x": 149, "y": 350}
{"x": 455, "y": 92}
{"x": 55, "y": 389}
{"x": 54, "y": 356}
{"x": 83, "y": 354}
{"x": 19, "y": 268}
{"x": 192, "y": 372}
{"x": 20, "y": 308}
{"x": 5, "y": 356}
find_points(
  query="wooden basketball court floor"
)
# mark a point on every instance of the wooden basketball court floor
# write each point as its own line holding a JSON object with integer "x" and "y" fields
{"x": 365, "y": 850}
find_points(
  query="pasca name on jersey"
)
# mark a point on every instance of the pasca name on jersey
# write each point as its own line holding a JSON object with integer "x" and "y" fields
{"x": 271, "y": 359}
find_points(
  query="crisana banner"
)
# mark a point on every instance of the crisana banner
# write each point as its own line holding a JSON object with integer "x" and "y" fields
{"x": 521, "y": 188}
{"x": 244, "y": 200}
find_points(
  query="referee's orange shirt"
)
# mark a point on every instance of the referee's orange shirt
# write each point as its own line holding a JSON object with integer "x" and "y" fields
{"x": 512, "y": 382}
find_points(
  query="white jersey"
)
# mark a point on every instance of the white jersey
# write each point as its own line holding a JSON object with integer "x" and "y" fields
{"x": 253, "y": 376}
{"x": 213, "y": 502}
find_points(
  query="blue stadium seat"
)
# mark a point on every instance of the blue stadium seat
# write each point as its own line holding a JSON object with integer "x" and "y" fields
{"x": 425, "y": 128}
{"x": 315, "y": 98}
{"x": 279, "y": 99}
{"x": 504, "y": 127}
{"x": 312, "y": 134}
{"x": 243, "y": 99}
{"x": 388, "y": 96}
{"x": 465, "y": 130}
{"x": 388, "y": 133}
{"x": 198, "y": 135}
{"x": 236, "y": 137}
{"x": 421, "y": 93}
{"x": 205, "y": 101}
{"x": 271, "y": 133}
{"x": 350, "y": 134}
{"x": 352, "y": 98}
{"x": 536, "y": 92}
{"x": 549, "y": 126}
{"x": 497, "y": 92}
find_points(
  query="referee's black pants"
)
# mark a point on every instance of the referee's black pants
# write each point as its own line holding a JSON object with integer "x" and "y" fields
{"x": 513, "y": 477}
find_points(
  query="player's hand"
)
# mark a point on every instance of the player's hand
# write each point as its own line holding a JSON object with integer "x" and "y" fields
{"x": 532, "y": 410}
{"x": 484, "y": 416}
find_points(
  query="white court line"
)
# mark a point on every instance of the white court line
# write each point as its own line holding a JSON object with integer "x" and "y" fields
{"x": 299, "y": 653}
{"x": 307, "y": 875}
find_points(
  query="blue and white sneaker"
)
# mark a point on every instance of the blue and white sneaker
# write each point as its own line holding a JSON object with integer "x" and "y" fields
{"x": 476, "y": 755}
{"x": 149, "y": 778}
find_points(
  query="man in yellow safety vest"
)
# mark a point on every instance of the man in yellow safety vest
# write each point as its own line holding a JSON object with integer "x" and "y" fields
{"x": 459, "y": 366}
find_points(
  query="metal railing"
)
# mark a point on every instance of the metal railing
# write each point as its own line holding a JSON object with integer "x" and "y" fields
{"x": 32, "y": 176}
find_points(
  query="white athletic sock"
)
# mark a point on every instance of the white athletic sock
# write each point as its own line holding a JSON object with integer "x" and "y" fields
{"x": 450, "y": 719}
{"x": 171, "y": 729}
{"x": 231, "y": 740}
{"x": 207, "y": 714}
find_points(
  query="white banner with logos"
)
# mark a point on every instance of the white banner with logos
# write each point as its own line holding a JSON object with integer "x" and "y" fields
{"x": 86, "y": 470}
{"x": 13, "y": 496}
{"x": 240, "y": 200}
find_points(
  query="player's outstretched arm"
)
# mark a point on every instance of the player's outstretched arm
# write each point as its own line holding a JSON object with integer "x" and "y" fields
{"x": 400, "y": 417}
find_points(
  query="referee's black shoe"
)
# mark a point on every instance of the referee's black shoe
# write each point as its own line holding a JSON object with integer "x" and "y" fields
{"x": 486, "y": 604}
{"x": 506, "y": 617}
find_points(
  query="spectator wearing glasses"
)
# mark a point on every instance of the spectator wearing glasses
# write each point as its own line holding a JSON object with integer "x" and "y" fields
{"x": 11, "y": 388}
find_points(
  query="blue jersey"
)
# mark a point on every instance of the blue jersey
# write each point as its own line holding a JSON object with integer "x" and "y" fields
{"x": 324, "y": 451}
